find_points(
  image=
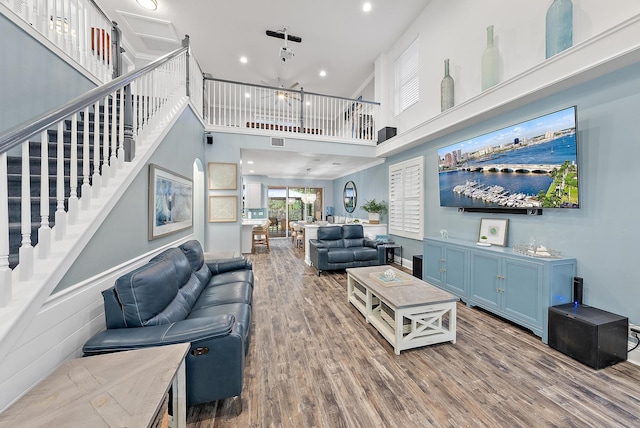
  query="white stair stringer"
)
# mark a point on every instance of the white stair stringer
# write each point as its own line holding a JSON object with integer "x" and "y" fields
{"x": 29, "y": 296}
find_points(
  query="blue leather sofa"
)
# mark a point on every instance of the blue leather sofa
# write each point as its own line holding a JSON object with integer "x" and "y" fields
{"x": 176, "y": 297}
{"x": 342, "y": 247}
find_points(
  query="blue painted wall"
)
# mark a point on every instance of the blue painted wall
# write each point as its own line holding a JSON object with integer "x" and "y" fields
{"x": 603, "y": 235}
{"x": 33, "y": 79}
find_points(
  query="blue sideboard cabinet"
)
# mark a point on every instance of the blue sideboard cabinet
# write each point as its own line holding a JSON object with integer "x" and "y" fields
{"x": 514, "y": 286}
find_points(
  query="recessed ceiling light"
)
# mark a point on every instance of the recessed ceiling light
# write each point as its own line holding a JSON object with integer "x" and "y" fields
{"x": 243, "y": 59}
{"x": 250, "y": 162}
{"x": 247, "y": 95}
{"x": 323, "y": 73}
{"x": 366, "y": 7}
{"x": 251, "y": 171}
{"x": 148, "y": 4}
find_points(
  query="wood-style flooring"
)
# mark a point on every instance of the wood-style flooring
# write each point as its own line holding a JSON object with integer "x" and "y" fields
{"x": 314, "y": 362}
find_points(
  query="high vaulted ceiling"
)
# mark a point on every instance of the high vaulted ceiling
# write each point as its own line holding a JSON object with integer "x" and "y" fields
{"x": 337, "y": 36}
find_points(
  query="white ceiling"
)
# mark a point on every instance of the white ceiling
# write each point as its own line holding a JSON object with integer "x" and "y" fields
{"x": 337, "y": 36}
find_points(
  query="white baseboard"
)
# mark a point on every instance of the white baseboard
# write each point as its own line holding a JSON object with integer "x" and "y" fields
{"x": 633, "y": 356}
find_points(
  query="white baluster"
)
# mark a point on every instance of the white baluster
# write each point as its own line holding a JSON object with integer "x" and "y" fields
{"x": 113, "y": 160}
{"x": 96, "y": 181}
{"x": 73, "y": 173}
{"x": 135, "y": 103}
{"x": 44, "y": 232}
{"x": 60, "y": 227}
{"x": 85, "y": 190}
{"x": 121, "y": 129}
{"x": 105, "y": 144}
{"x": 26, "y": 249}
{"x": 5, "y": 272}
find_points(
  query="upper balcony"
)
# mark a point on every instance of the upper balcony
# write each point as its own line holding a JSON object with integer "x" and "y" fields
{"x": 265, "y": 110}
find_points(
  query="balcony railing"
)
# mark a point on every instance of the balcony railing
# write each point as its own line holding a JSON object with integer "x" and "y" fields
{"x": 79, "y": 28}
{"x": 249, "y": 106}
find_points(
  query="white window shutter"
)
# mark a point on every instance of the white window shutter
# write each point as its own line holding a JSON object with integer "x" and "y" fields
{"x": 407, "y": 78}
{"x": 405, "y": 198}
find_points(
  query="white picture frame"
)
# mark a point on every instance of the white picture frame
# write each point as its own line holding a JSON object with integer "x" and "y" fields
{"x": 495, "y": 229}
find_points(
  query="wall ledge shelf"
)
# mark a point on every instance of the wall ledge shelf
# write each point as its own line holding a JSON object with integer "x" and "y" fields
{"x": 611, "y": 50}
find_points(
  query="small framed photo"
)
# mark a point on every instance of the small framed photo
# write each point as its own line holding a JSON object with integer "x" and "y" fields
{"x": 495, "y": 229}
{"x": 223, "y": 209}
{"x": 223, "y": 176}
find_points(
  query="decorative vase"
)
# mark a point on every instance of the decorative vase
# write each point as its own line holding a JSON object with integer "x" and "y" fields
{"x": 490, "y": 59}
{"x": 559, "y": 27}
{"x": 446, "y": 88}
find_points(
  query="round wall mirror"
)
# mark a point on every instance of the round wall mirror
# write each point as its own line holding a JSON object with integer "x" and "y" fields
{"x": 350, "y": 196}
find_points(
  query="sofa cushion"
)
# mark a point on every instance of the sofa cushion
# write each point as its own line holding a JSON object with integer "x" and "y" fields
{"x": 177, "y": 257}
{"x": 193, "y": 251}
{"x": 352, "y": 231}
{"x": 331, "y": 233}
{"x": 244, "y": 275}
{"x": 365, "y": 253}
{"x": 191, "y": 290}
{"x": 340, "y": 255}
{"x": 145, "y": 292}
{"x": 204, "y": 275}
{"x": 233, "y": 292}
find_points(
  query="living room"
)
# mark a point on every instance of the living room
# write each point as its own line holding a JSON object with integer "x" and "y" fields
{"x": 600, "y": 235}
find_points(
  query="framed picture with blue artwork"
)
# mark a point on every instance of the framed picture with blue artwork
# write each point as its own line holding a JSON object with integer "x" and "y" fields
{"x": 495, "y": 231}
{"x": 170, "y": 202}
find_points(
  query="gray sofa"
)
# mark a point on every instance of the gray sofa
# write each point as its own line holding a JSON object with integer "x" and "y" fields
{"x": 176, "y": 297}
{"x": 342, "y": 247}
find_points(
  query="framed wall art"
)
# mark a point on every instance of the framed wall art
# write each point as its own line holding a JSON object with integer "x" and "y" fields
{"x": 223, "y": 176}
{"x": 170, "y": 202}
{"x": 495, "y": 229}
{"x": 223, "y": 209}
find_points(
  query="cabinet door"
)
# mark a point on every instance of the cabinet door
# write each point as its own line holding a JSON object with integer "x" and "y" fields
{"x": 254, "y": 195}
{"x": 483, "y": 287}
{"x": 433, "y": 263}
{"x": 455, "y": 269}
{"x": 522, "y": 297}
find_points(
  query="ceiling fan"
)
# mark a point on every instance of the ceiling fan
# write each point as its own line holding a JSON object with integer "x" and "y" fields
{"x": 284, "y": 94}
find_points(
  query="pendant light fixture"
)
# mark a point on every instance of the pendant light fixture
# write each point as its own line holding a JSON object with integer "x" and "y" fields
{"x": 309, "y": 196}
{"x": 148, "y": 4}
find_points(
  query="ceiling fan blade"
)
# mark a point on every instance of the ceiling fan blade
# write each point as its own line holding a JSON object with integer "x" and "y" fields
{"x": 294, "y": 85}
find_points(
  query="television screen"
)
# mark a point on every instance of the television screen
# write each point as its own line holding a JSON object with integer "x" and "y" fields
{"x": 529, "y": 165}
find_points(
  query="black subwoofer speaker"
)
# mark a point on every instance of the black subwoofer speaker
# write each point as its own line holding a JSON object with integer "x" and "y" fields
{"x": 592, "y": 336}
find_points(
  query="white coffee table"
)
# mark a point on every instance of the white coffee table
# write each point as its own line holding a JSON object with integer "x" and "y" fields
{"x": 407, "y": 316}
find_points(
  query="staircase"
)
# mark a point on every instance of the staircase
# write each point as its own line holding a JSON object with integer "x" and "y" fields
{"x": 14, "y": 168}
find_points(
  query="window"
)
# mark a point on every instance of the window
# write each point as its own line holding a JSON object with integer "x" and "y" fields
{"x": 405, "y": 198}
{"x": 407, "y": 79}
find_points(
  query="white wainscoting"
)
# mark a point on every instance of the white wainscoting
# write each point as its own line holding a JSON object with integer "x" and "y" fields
{"x": 57, "y": 333}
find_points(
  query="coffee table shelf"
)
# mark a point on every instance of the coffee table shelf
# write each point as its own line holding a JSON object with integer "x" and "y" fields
{"x": 407, "y": 316}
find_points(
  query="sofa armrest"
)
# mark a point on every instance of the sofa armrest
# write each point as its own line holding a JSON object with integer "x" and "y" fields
{"x": 371, "y": 243}
{"x": 189, "y": 330}
{"x": 227, "y": 265}
{"x": 316, "y": 243}
{"x": 318, "y": 254}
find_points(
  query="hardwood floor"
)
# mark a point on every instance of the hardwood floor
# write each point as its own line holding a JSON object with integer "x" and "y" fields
{"x": 314, "y": 362}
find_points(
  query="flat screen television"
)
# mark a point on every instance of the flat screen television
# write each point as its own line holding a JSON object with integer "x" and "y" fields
{"x": 530, "y": 165}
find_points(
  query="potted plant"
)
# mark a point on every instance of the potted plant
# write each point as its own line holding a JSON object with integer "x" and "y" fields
{"x": 374, "y": 209}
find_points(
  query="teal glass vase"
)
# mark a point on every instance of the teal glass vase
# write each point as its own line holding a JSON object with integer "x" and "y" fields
{"x": 446, "y": 89}
{"x": 559, "y": 27}
{"x": 490, "y": 61}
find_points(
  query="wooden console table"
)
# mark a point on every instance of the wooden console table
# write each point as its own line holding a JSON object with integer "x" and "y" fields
{"x": 122, "y": 389}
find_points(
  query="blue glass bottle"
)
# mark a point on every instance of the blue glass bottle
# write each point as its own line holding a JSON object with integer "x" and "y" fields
{"x": 559, "y": 25}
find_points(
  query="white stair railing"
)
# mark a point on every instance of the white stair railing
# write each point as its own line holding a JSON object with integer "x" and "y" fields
{"x": 145, "y": 92}
{"x": 79, "y": 28}
{"x": 248, "y": 106}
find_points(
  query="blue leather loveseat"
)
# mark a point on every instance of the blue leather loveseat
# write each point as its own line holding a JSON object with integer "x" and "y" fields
{"x": 342, "y": 247}
{"x": 176, "y": 297}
